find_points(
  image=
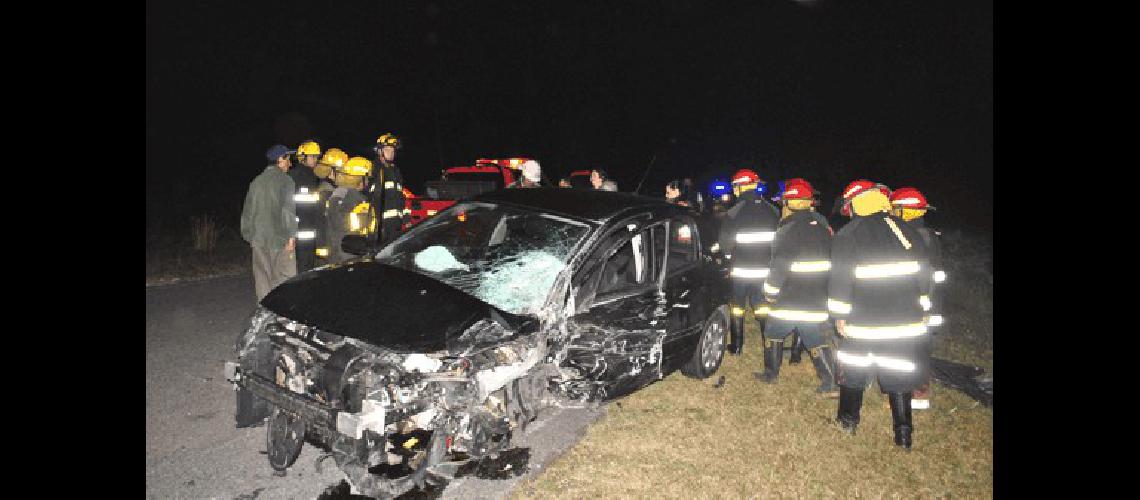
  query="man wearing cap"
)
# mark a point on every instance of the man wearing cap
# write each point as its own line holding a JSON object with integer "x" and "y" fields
{"x": 269, "y": 222}
{"x": 531, "y": 176}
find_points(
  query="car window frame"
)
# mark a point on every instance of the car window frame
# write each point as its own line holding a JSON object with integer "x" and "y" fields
{"x": 694, "y": 242}
{"x": 655, "y": 282}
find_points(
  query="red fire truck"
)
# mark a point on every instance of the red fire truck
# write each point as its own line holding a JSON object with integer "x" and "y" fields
{"x": 460, "y": 183}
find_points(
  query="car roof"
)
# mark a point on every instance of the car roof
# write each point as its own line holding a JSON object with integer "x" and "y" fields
{"x": 594, "y": 205}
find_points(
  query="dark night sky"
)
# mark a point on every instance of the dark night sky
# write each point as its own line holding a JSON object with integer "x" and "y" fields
{"x": 896, "y": 91}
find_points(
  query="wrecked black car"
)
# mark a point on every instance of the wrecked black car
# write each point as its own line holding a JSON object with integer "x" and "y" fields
{"x": 407, "y": 363}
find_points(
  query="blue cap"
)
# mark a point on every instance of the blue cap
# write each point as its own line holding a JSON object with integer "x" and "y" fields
{"x": 277, "y": 151}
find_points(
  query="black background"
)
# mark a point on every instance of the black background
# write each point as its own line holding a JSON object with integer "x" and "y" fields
{"x": 900, "y": 92}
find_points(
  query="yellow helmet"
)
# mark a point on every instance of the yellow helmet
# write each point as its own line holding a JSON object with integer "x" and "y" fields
{"x": 388, "y": 139}
{"x": 334, "y": 158}
{"x": 357, "y": 165}
{"x": 309, "y": 148}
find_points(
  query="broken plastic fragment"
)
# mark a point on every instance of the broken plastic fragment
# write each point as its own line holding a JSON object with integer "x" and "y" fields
{"x": 421, "y": 363}
{"x": 438, "y": 259}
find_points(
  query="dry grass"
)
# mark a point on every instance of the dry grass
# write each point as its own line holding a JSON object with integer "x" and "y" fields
{"x": 206, "y": 250}
{"x": 682, "y": 438}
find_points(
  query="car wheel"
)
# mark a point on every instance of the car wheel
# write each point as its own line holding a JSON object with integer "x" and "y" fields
{"x": 284, "y": 437}
{"x": 710, "y": 348}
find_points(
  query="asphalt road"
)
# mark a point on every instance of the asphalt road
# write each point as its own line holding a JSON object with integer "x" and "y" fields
{"x": 193, "y": 449}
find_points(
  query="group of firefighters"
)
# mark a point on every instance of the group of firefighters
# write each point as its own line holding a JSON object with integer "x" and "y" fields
{"x": 874, "y": 282}
{"x": 876, "y": 279}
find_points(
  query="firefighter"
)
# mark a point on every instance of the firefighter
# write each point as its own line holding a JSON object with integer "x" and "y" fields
{"x": 307, "y": 200}
{"x": 746, "y": 239}
{"x": 879, "y": 295}
{"x": 796, "y": 287}
{"x": 386, "y": 190}
{"x": 348, "y": 211}
{"x": 531, "y": 176}
{"x": 911, "y": 205}
{"x": 325, "y": 170}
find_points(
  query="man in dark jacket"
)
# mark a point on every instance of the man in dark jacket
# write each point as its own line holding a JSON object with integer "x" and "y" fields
{"x": 269, "y": 223}
{"x": 386, "y": 191}
{"x": 878, "y": 293}
{"x": 910, "y": 204}
{"x": 797, "y": 286}
{"x": 746, "y": 239}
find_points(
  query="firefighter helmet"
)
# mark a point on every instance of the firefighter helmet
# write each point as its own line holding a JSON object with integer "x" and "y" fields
{"x": 745, "y": 176}
{"x": 309, "y": 148}
{"x": 334, "y": 158}
{"x": 357, "y": 165}
{"x": 797, "y": 189}
{"x": 859, "y": 187}
{"x": 908, "y": 197}
{"x": 388, "y": 139}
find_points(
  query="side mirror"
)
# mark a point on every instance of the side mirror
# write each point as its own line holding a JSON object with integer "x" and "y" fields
{"x": 355, "y": 244}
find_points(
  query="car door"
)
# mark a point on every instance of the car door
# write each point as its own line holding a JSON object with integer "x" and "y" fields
{"x": 620, "y": 322}
{"x": 686, "y": 291}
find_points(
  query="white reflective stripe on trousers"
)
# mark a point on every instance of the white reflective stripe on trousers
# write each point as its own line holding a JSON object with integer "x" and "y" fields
{"x": 755, "y": 237}
{"x": 749, "y": 272}
{"x": 770, "y": 290}
{"x": 871, "y": 359}
{"x": 391, "y": 213}
{"x": 811, "y": 266}
{"x": 793, "y": 315}
{"x": 838, "y": 306}
{"x": 885, "y": 332}
{"x": 888, "y": 270}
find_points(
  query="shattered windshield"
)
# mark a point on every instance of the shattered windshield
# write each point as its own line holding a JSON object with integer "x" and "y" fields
{"x": 506, "y": 257}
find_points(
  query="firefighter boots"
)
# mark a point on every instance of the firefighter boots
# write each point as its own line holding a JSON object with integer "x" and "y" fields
{"x": 737, "y": 332}
{"x": 900, "y": 418}
{"x": 850, "y": 402}
{"x": 797, "y": 348}
{"x": 824, "y": 363}
{"x": 773, "y": 356}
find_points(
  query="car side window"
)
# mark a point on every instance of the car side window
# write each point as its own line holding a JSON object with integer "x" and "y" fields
{"x": 636, "y": 263}
{"x": 683, "y": 241}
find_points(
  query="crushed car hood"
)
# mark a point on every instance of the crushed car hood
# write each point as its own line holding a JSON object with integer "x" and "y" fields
{"x": 385, "y": 306}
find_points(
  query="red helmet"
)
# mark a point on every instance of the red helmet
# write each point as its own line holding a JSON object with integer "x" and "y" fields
{"x": 745, "y": 176}
{"x": 855, "y": 189}
{"x": 908, "y": 197}
{"x": 797, "y": 189}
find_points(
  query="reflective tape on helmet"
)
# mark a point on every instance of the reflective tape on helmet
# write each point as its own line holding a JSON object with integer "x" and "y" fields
{"x": 793, "y": 315}
{"x": 939, "y": 276}
{"x": 889, "y": 270}
{"x": 742, "y": 180}
{"x": 750, "y": 272}
{"x": 924, "y": 301}
{"x": 755, "y": 237}
{"x": 306, "y": 235}
{"x": 871, "y": 359}
{"x": 906, "y": 201}
{"x": 306, "y": 197}
{"x": 934, "y": 320}
{"x": 885, "y": 332}
{"x": 838, "y": 306}
{"x": 811, "y": 266}
{"x": 770, "y": 290}
{"x": 391, "y": 213}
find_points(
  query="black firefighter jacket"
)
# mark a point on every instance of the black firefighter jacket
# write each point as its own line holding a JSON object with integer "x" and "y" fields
{"x": 747, "y": 235}
{"x": 938, "y": 273}
{"x": 880, "y": 278}
{"x": 387, "y": 197}
{"x": 801, "y": 259}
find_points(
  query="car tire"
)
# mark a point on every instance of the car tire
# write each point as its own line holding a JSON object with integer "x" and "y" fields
{"x": 710, "y": 347}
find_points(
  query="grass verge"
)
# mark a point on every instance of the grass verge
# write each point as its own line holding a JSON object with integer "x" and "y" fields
{"x": 173, "y": 259}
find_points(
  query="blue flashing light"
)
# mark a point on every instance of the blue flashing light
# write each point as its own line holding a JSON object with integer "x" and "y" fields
{"x": 718, "y": 187}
